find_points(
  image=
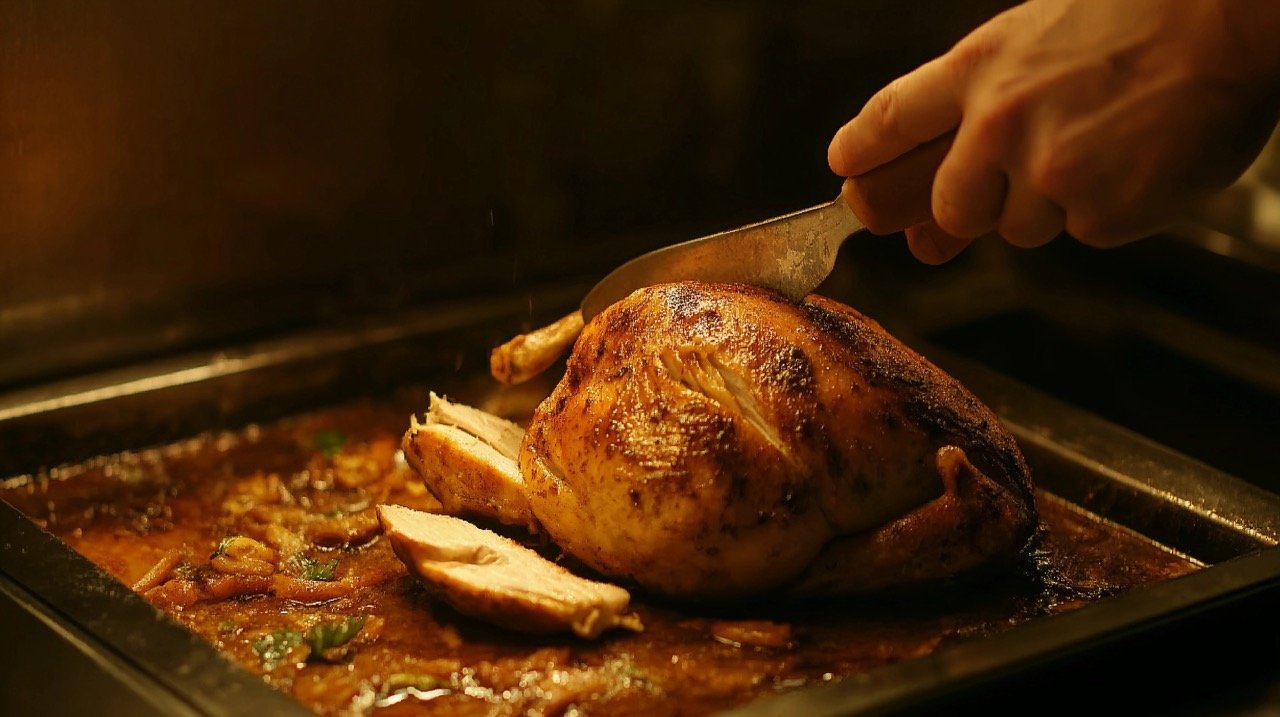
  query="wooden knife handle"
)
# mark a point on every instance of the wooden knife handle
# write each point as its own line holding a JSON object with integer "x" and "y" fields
{"x": 898, "y": 195}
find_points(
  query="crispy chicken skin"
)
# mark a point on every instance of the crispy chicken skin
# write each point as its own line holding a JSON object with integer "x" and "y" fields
{"x": 713, "y": 441}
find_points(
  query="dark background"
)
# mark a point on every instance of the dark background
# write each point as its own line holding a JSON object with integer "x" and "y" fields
{"x": 178, "y": 174}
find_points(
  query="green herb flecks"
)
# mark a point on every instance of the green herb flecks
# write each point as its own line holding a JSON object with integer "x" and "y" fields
{"x": 326, "y": 637}
{"x": 222, "y": 546}
{"x": 328, "y": 442}
{"x": 275, "y": 646}
{"x": 309, "y": 568}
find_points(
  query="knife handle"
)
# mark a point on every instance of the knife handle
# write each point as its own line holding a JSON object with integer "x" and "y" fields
{"x": 899, "y": 194}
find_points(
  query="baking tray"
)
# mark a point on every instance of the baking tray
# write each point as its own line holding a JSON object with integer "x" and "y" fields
{"x": 155, "y": 666}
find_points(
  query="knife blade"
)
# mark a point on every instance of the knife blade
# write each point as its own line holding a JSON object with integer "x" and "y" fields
{"x": 792, "y": 253}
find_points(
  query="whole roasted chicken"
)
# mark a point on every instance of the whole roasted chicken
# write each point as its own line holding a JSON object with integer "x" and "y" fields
{"x": 713, "y": 441}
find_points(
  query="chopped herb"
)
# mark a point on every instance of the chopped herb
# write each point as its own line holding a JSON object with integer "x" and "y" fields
{"x": 309, "y": 568}
{"x": 222, "y": 546}
{"x": 328, "y": 635}
{"x": 275, "y": 646}
{"x": 328, "y": 442}
{"x": 226, "y": 626}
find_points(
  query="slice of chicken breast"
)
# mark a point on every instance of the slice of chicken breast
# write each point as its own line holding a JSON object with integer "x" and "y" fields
{"x": 467, "y": 459}
{"x": 487, "y": 576}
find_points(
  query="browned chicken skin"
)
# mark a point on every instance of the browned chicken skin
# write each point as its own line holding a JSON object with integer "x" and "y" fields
{"x": 712, "y": 441}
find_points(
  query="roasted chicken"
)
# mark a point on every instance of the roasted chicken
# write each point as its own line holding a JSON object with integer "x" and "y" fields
{"x": 715, "y": 441}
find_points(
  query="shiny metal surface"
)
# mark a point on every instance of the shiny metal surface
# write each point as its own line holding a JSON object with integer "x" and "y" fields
{"x": 42, "y": 643}
{"x": 790, "y": 254}
{"x": 140, "y": 655}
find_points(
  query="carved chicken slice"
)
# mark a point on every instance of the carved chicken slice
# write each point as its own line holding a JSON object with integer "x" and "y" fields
{"x": 487, "y": 576}
{"x": 467, "y": 458}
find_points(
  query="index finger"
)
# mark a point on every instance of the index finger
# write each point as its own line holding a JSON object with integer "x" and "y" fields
{"x": 911, "y": 110}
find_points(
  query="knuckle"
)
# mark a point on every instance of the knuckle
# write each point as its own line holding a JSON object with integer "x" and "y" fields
{"x": 885, "y": 106}
{"x": 1000, "y": 121}
{"x": 974, "y": 50}
{"x": 1006, "y": 115}
{"x": 1002, "y": 22}
{"x": 1055, "y": 173}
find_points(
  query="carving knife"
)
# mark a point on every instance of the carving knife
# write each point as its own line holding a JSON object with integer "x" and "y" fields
{"x": 792, "y": 253}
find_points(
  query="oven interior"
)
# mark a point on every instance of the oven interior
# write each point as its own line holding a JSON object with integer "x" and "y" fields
{"x": 225, "y": 215}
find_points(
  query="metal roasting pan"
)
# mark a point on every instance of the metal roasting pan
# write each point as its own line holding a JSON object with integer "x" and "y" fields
{"x": 127, "y": 658}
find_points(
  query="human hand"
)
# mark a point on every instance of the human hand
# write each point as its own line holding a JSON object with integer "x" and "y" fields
{"x": 1102, "y": 118}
